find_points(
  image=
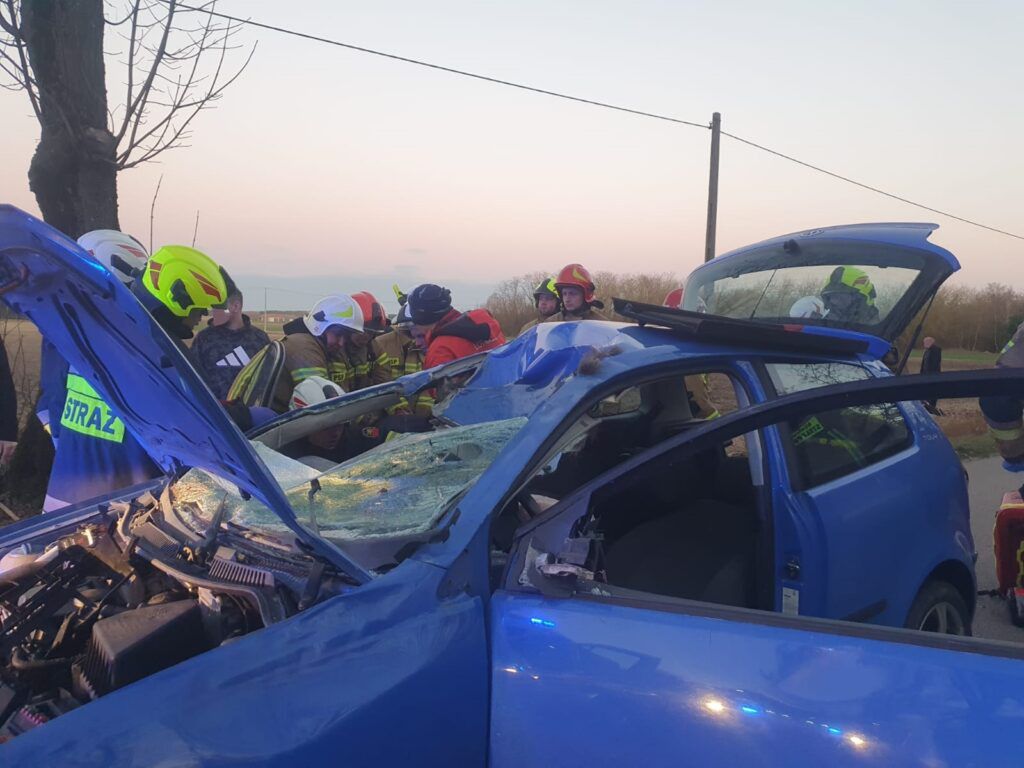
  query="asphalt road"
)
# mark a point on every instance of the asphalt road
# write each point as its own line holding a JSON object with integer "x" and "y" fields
{"x": 988, "y": 482}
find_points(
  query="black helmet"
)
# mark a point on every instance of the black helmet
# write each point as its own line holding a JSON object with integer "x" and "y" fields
{"x": 546, "y": 288}
{"x": 429, "y": 303}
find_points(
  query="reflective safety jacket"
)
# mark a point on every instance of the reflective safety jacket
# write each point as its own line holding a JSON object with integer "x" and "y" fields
{"x": 95, "y": 454}
{"x": 461, "y": 334}
{"x": 590, "y": 313}
{"x": 305, "y": 355}
{"x": 1012, "y": 355}
{"x": 404, "y": 357}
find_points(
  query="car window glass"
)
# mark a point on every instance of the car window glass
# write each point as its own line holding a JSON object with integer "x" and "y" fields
{"x": 828, "y": 445}
{"x": 400, "y": 488}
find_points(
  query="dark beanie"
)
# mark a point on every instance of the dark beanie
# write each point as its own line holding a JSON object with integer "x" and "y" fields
{"x": 429, "y": 303}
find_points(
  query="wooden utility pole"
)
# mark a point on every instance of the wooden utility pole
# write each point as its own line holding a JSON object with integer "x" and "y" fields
{"x": 716, "y": 138}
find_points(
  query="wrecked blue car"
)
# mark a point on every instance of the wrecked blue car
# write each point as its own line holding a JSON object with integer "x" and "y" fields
{"x": 570, "y": 566}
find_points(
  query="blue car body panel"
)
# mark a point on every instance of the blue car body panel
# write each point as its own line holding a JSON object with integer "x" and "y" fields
{"x": 601, "y": 683}
{"x": 905, "y": 234}
{"x": 390, "y": 674}
{"x": 424, "y": 665}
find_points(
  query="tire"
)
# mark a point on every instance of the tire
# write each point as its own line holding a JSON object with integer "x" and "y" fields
{"x": 939, "y": 607}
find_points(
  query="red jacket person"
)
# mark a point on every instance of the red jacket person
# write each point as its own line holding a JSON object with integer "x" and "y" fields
{"x": 451, "y": 334}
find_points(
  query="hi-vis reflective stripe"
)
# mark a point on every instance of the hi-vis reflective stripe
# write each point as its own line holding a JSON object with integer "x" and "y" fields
{"x": 299, "y": 375}
{"x": 87, "y": 414}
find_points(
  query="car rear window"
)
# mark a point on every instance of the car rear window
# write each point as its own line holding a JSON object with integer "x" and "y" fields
{"x": 829, "y": 445}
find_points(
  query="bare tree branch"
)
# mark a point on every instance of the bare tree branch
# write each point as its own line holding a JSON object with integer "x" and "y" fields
{"x": 20, "y": 70}
{"x": 179, "y": 98}
{"x": 134, "y": 15}
{"x": 152, "y": 210}
{"x": 137, "y": 108}
{"x": 166, "y": 125}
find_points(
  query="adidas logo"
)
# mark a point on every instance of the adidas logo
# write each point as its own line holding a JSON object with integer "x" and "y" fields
{"x": 236, "y": 358}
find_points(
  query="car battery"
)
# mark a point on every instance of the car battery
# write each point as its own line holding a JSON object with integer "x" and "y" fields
{"x": 1008, "y": 541}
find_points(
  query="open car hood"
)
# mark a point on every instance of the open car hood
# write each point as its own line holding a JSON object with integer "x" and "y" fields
{"x": 113, "y": 342}
{"x": 776, "y": 280}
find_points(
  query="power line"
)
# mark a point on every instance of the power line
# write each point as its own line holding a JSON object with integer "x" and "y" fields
{"x": 441, "y": 68}
{"x": 868, "y": 187}
{"x": 593, "y": 103}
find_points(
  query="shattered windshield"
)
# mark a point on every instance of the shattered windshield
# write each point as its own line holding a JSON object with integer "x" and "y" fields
{"x": 400, "y": 488}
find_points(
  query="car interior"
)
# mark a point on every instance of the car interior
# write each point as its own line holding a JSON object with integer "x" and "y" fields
{"x": 689, "y": 528}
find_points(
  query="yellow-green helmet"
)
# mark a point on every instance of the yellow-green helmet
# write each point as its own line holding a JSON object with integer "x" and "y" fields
{"x": 183, "y": 279}
{"x": 850, "y": 280}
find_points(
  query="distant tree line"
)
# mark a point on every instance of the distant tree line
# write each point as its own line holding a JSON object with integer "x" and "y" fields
{"x": 961, "y": 317}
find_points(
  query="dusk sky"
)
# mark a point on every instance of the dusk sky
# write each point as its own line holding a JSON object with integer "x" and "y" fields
{"x": 326, "y": 170}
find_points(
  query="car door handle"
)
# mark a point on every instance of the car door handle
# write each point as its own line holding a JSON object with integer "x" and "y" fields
{"x": 791, "y": 570}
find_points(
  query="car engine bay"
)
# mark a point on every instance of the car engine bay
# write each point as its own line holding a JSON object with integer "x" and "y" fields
{"x": 132, "y": 593}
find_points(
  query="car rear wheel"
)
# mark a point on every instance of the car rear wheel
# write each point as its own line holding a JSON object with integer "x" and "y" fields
{"x": 939, "y": 607}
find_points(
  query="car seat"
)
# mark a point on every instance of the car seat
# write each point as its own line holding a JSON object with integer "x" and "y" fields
{"x": 704, "y": 551}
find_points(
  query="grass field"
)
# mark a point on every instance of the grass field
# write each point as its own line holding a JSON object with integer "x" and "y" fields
{"x": 962, "y": 421}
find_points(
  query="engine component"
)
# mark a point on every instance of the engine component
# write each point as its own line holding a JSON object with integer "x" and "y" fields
{"x": 31, "y": 604}
{"x": 135, "y": 644}
{"x": 37, "y": 712}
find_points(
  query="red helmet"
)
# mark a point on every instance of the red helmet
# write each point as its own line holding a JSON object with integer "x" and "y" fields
{"x": 578, "y": 276}
{"x": 375, "y": 319}
{"x": 674, "y": 300}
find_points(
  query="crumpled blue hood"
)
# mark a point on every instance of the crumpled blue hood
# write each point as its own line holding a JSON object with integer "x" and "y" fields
{"x": 114, "y": 343}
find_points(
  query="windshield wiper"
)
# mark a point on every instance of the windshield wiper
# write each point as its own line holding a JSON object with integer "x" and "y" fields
{"x": 314, "y": 489}
{"x": 209, "y": 542}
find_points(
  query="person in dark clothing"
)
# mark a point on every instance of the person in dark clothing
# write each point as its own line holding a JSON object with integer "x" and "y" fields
{"x": 451, "y": 334}
{"x": 8, "y": 409}
{"x": 227, "y": 344}
{"x": 96, "y": 454}
{"x": 931, "y": 362}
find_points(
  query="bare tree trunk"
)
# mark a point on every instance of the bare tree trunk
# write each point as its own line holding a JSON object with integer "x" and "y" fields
{"x": 73, "y": 172}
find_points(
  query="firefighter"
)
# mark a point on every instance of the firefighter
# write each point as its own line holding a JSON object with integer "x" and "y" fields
{"x": 576, "y": 292}
{"x": 1004, "y": 414}
{"x": 448, "y": 333}
{"x": 95, "y": 454}
{"x": 125, "y": 258}
{"x": 334, "y": 340}
{"x": 849, "y": 297}
{"x": 405, "y": 356}
{"x": 323, "y": 449}
{"x": 545, "y": 301}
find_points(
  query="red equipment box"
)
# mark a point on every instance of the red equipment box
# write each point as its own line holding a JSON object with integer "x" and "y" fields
{"x": 1008, "y": 539}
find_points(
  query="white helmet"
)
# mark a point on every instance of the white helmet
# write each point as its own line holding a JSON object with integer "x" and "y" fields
{"x": 122, "y": 255}
{"x": 315, "y": 389}
{"x": 808, "y": 307}
{"x": 331, "y": 311}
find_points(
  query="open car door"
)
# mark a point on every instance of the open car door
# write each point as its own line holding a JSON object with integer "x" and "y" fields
{"x": 603, "y": 675}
